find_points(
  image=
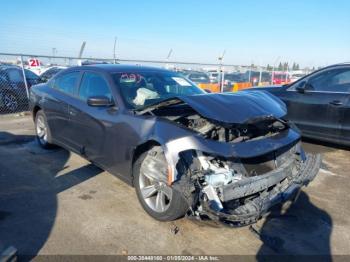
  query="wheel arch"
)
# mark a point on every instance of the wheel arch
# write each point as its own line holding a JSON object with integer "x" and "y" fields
{"x": 138, "y": 151}
{"x": 35, "y": 111}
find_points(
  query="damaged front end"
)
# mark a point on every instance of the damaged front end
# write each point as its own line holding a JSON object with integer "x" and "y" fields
{"x": 234, "y": 171}
{"x": 237, "y": 192}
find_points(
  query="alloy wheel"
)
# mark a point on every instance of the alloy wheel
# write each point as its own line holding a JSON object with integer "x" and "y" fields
{"x": 153, "y": 186}
{"x": 41, "y": 129}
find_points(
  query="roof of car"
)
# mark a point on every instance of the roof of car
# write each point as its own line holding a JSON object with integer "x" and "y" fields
{"x": 114, "y": 68}
{"x": 6, "y": 66}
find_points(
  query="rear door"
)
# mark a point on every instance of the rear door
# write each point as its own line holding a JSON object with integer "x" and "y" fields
{"x": 63, "y": 92}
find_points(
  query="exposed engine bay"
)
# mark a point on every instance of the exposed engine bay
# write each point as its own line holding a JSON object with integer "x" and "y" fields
{"x": 237, "y": 191}
{"x": 224, "y": 132}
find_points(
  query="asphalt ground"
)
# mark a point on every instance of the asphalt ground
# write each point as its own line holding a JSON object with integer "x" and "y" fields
{"x": 56, "y": 203}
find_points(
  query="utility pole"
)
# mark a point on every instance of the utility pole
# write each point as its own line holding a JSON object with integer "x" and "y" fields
{"x": 81, "y": 52}
{"x": 250, "y": 71}
{"x": 221, "y": 71}
{"x": 54, "y": 51}
{"x": 287, "y": 72}
{"x": 167, "y": 58}
{"x": 114, "y": 48}
{"x": 273, "y": 69}
{"x": 260, "y": 75}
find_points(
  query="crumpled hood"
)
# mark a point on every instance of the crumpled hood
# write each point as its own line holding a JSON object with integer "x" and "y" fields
{"x": 236, "y": 108}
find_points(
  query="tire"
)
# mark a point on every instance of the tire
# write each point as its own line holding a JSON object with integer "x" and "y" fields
{"x": 154, "y": 165}
{"x": 43, "y": 134}
{"x": 10, "y": 102}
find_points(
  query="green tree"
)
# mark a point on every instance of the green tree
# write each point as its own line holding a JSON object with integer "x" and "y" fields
{"x": 280, "y": 66}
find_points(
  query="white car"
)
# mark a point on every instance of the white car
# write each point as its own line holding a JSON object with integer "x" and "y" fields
{"x": 295, "y": 77}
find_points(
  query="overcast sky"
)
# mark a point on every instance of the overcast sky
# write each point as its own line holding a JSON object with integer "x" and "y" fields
{"x": 310, "y": 32}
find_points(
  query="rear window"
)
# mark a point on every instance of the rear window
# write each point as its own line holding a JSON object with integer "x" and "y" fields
{"x": 15, "y": 75}
{"x": 30, "y": 75}
{"x": 67, "y": 83}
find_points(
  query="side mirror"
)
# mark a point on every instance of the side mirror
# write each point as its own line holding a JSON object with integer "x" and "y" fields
{"x": 300, "y": 89}
{"x": 207, "y": 90}
{"x": 100, "y": 101}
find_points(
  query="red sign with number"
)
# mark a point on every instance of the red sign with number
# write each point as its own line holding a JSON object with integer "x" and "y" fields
{"x": 33, "y": 62}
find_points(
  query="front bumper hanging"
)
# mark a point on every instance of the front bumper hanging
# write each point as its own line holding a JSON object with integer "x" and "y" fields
{"x": 259, "y": 193}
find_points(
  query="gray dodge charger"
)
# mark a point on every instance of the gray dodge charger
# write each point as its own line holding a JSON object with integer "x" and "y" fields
{"x": 225, "y": 157}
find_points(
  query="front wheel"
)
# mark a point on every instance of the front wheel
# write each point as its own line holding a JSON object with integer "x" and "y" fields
{"x": 43, "y": 134}
{"x": 158, "y": 199}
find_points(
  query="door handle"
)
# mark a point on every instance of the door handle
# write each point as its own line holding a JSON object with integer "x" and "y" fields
{"x": 336, "y": 103}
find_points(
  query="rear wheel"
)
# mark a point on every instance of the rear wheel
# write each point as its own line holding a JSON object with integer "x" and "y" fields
{"x": 43, "y": 134}
{"x": 158, "y": 199}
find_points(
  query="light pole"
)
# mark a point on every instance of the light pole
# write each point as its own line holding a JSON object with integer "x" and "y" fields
{"x": 54, "y": 51}
{"x": 167, "y": 58}
{"x": 273, "y": 68}
{"x": 81, "y": 53}
{"x": 221, "y": 71}
{"x": 114, "y": 48}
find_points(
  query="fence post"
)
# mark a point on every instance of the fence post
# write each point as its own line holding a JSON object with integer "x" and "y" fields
{"x": 24, "y": 77}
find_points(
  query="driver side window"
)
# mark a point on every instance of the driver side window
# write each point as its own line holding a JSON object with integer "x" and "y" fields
{"x": 94, "y": 85}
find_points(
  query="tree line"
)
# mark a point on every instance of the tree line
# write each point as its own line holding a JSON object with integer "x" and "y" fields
{"x": 284, "y": 66}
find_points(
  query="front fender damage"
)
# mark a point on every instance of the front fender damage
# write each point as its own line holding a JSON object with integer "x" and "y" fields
{"x": 225, "y": 189}
{"x": 232, "y": 167}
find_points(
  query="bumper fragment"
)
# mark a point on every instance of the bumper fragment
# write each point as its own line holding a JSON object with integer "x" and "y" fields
{"x": 265, "y": 193}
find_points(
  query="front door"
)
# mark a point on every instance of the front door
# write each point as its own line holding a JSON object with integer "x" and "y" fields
{"x": 88, "y": 125}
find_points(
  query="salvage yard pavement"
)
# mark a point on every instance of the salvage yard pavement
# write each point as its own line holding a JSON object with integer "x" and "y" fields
{"x": 55, "y": 202}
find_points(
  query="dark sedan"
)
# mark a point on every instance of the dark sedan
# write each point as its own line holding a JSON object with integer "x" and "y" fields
{"x": 184, "y": 151}
{"x": 52, "y": 71}
{"x": 319, "y": 103}
{"x": 13, "y": 94}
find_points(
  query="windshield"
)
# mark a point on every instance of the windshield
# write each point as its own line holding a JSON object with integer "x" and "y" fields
{"x": 141, "y": 89}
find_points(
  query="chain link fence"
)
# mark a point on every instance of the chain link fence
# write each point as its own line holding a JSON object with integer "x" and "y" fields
{"x": 15, "y": 82}
{"x": 19, "y": 72}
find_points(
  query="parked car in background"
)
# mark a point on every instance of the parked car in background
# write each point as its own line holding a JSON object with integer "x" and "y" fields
{"x": 197, "y": 77}
{"x": 296, "y": 77}
{"x": 232, "y": 78}
{"x": 255, "y": 77}
{"x": 319, "y": 103}
{"x": 50, "y": 72}
{"x": 280, "y": 78}
{"x": 13, "y": 94}
{"x": 213, "y": 76}
{"x": 94, "y": 62}
{"x": 184, "y": 151}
